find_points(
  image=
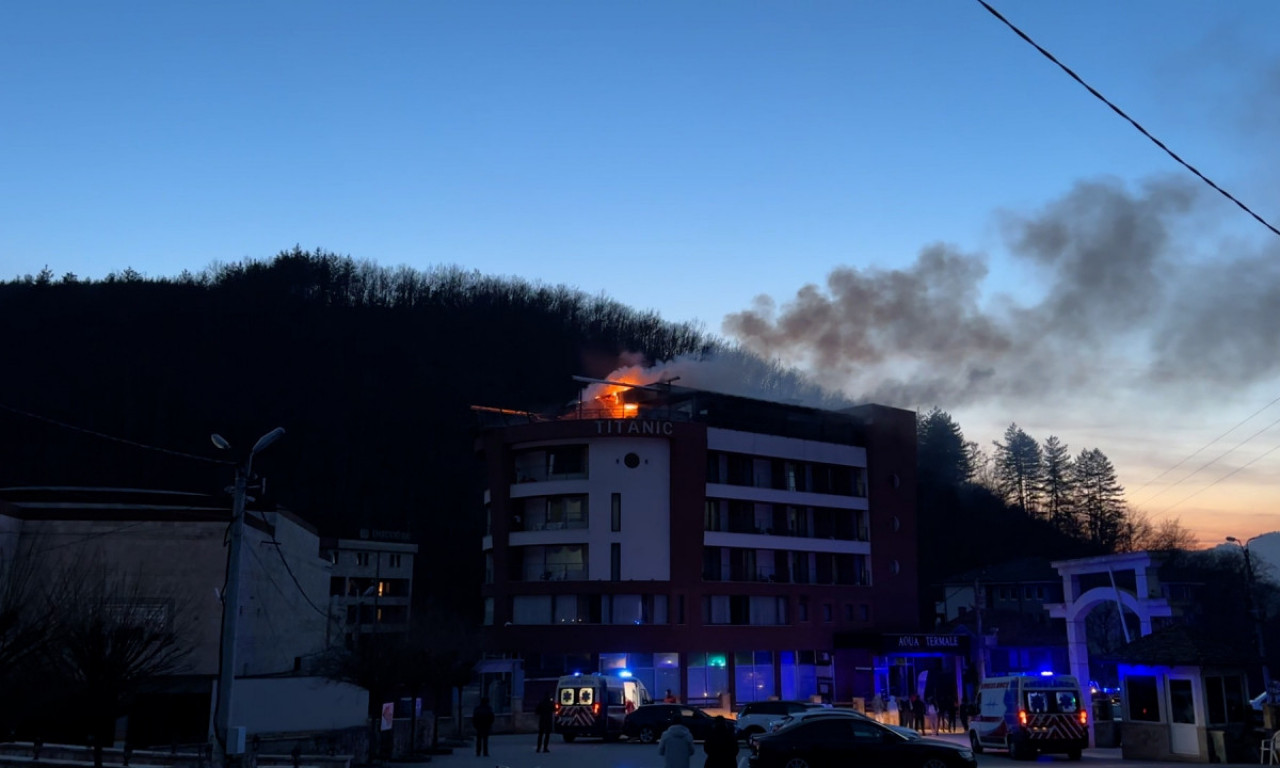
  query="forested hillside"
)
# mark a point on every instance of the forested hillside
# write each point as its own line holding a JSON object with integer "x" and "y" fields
{"x": 372, "y": 371}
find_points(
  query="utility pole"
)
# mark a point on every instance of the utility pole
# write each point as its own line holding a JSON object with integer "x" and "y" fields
{"x": 1255, "y": 612}
{"x": 231, "y": 599}
{"x": 230, "y": 617}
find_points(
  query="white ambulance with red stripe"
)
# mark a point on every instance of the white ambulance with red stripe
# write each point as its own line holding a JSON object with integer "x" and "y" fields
{"x": 596, "y": 705}
{"x": 1029, "y": 715}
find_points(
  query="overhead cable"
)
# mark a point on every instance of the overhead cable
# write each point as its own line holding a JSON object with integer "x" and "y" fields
{"x": 1131, "y": 121}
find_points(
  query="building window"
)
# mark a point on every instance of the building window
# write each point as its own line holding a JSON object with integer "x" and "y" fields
{"x": 1144, "y": 699}
{"x": 488, "y": 611}
{"x": 563, "y": 462}
{"x": 826, "y": 612}
{"x": 802, "y": 609}
{"x": 393, "y": 561}
{"x": 362, "y": 558}
{"x": 848, "y": 611}
{"x": 615, "y": 561}
{"x": 561, "y": 562}
{"x": 615, "y": 512}
{"x": 864, "y": 612}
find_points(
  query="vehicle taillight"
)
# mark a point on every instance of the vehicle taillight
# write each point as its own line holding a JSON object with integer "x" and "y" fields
{"x": 557, "y": 707}
{"x": 595, "y": 708}
{"x": 1084, "y": 717}
{"x": 1022, "y": 717}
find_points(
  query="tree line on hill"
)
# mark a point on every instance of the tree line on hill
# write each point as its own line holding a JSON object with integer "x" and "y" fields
{"x": 373, "y": 370}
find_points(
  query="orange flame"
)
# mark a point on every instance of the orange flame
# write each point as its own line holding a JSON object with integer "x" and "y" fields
{"x": 608, "y": 398}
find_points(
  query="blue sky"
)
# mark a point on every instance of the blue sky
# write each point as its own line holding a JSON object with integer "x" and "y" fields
{"x": 678, "y": 156}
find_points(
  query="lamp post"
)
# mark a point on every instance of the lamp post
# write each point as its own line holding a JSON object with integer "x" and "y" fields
{"x": 1256, "y": 613}
{"x": 231, "y": 595}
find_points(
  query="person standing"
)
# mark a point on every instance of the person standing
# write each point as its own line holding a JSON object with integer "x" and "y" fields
{"x": 676, "y": 746}
{"x": 482, "y": 721}
{"x": 721, "y": 745}
{"x": 546, "y": 711}
{"x": 917, "y": 713}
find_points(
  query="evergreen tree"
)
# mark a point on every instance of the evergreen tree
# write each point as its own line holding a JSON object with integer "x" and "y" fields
{"x": 941, "y": 453}
{"x": 1018, "y": 470}
{"x": 1056, "y": 484}
{"x": 1099, "y": 499}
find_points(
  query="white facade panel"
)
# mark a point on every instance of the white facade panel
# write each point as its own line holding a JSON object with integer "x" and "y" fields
{"x": 550, "y": 488}
{"x": 646, "y": 508}
{"x": 795, "y": 543}
{"x": 785, "y": 447}
{"x": 776, "y": 496}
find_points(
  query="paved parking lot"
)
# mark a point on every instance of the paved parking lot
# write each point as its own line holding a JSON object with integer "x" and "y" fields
{"x": 518, "y": 752}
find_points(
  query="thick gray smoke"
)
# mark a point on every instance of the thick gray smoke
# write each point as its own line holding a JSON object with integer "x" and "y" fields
{"x": 1119, "y": 298}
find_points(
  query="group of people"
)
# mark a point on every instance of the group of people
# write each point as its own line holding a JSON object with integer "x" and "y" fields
{"x": 931, "y": 715}
{"x": 482, "y": 722}
{"x": 720, "y": 746}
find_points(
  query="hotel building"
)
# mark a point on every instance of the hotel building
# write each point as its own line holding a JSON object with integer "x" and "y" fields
{"x": 713, "y": 545}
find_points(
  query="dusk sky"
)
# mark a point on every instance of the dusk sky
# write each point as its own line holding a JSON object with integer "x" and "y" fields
{"x": 902, "y": 198}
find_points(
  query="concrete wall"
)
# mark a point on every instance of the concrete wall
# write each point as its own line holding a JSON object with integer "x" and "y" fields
{"x": 298, "y": 704}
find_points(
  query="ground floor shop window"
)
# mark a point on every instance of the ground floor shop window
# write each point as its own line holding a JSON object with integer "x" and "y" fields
{"x": 707, "y": 677}
{"x": 753, "y": 675}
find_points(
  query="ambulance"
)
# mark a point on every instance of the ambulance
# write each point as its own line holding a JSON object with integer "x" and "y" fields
{"x": 596, "y": 705}
{"x": 1029, "y": 715}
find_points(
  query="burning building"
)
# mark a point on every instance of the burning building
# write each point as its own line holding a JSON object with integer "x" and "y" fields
{"x": 708, "y": 544}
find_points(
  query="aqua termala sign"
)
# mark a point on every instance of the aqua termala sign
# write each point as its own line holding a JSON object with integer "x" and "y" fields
{"x": 926, "y": 643}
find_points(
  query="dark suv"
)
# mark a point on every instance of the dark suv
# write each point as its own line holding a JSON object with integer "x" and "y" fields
{"x": 755, "y": 716}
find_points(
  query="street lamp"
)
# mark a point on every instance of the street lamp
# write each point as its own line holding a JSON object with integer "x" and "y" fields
{"x": 231, "y": 595}
{"x": 1256, "y": 613}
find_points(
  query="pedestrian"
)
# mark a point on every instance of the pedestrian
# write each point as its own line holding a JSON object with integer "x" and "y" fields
{"x": 482, "y": 721}
{"x": 721, "y": 745}
{"x": 546, "y": 711}
{"x": 966, "y": 709}
{"x": 931, "y": 716}
{"x": 676, "y": 746}
{"x": 917, "y": 713}
{"x": 670, "y": 698}
{"x": 949, "y": 711}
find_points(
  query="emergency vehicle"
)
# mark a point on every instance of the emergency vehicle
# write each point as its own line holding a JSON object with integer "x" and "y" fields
{"x": 596, "y": 705}
{"x": 1030, "y": 714}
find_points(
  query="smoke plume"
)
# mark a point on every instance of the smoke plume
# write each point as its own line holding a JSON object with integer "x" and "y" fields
{"x": 1121, "y": 298}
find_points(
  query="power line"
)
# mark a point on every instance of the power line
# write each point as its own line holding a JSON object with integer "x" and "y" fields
{"x": 1215, "y": 460}
{"x": 1131, "y": 121}
{"x": 1255, "y": 460}
{"x": 113, "y": 438}
{"x": 1197, "y": 451}
{"x": 276, "y": 546}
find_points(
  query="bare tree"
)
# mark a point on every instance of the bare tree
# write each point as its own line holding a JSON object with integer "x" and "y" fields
{"x": 28, "y": 614}
{"x": 115, "y": 631}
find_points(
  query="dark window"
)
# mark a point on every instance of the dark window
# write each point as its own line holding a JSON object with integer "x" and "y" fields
{"x": 1216, "y": 702}
{"x": 803, "y": 609}
{"x": 828, "y": 729}
{"x": 615, "y": 507}
{"x": 337, "y": 585}
{"x": 1181, "y": 706}
{"x": 1144, "y": 700}
{"x": 615, "y": 561}
{"x": 826, "y": 611}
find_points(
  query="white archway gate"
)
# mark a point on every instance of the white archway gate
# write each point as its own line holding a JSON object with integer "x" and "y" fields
{"x": 1129, "y": 579}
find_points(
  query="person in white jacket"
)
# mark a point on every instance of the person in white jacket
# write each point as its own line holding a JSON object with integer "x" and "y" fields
{"x": 676, "y": 746}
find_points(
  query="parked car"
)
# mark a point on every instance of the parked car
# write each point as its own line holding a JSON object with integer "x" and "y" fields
{"x": 838, "y": 742}
{"x": 647, "y": 723}
{"x": 787, "y": 720}
{"x": 755, "y": 716}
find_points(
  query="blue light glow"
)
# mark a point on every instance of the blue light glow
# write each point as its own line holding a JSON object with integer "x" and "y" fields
{"x": 624, "y": 673}
{"x": 1046, "y": 673}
